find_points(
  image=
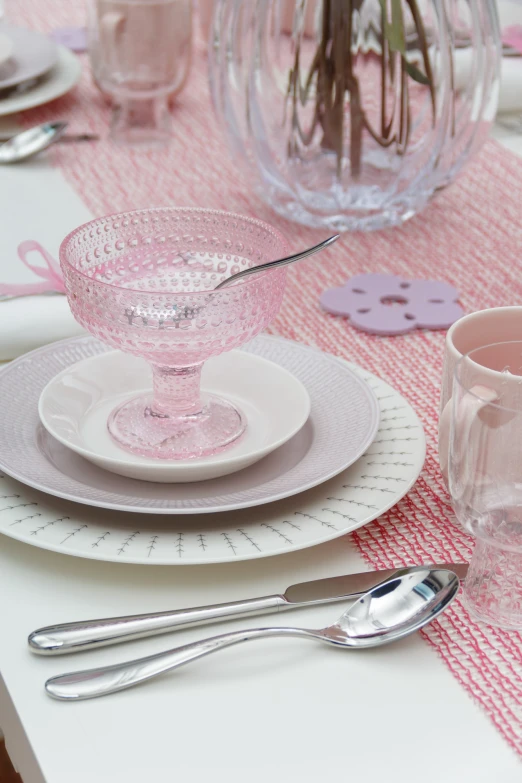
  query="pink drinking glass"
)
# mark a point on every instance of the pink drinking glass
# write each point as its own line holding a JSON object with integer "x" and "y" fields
{"x": 142, "y": 282}
{"x": 485, "y": 467}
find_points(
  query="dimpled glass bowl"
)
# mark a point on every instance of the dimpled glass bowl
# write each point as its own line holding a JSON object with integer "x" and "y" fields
{"x": 142, "y": 282}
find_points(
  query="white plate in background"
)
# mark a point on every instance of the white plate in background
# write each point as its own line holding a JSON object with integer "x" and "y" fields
{"x": 57, "y": 82}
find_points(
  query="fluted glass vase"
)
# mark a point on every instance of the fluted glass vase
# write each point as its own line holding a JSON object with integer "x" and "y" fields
{"x": 351, "y": 114}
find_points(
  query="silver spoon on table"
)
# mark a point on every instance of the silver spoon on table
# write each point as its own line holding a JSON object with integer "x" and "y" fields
{"x": 30, "y": 142}
{"x": 387, "y": 613}
{"x": 254, "y": 270}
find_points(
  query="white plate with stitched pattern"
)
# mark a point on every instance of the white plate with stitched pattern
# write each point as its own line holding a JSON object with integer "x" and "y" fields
{"x": 343, "y": 420}
{"x": 375, "y": 483}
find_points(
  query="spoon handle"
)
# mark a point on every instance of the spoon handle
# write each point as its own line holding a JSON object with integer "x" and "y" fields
{"x": 74, "y": 138}
{"x": 66, "y": 138}
{"x": 90, "y": 683}
{"x": 254, "y": 270}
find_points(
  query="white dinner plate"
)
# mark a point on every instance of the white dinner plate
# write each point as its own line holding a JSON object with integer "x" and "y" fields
{"x": 60, "y": 79}
{"x": 375, "y": 483}
{"x": 343, "y": 421}
{"x": 32, "y": 55}
{"x": 75, "y": 405}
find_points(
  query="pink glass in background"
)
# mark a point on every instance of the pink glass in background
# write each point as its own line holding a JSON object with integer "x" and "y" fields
{"x": 494, "y": 325}
{"x": 140, "y": 52}
{"x": 142, "y": 282}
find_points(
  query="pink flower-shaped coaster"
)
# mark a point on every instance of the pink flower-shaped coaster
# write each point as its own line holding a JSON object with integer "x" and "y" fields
{"x": 387, "y": 304}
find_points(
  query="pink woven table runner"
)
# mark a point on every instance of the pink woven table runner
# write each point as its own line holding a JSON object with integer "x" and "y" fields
{"x": 471, "y": 237}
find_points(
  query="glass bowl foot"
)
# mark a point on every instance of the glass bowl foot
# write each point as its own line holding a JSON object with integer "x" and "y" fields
{"x": 135, "y": 427}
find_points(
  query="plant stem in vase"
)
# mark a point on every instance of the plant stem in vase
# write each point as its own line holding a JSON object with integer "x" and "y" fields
{"x": 337, "y": 82}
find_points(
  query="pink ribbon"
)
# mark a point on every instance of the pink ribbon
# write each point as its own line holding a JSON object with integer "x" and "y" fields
{"x": 512, "y": 36}
{"x": 51, "y": 275}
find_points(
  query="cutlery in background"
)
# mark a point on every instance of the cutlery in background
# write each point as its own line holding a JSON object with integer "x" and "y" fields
{"x": 78, "y": 636}
{"x": 30, "y": 142}
{"x": 66, "y": 137}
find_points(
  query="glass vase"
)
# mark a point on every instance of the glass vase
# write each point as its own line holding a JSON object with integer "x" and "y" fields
{"x": 358, "y": 135}
{"x": 475, "y": 45}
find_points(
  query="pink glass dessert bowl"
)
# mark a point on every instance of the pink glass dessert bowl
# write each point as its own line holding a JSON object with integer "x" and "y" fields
{"x": 143, "y": 282}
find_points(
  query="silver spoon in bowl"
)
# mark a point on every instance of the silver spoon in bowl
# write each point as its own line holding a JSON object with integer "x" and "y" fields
{"x": 254, "y": 270}
{"x": 387, "y": 613}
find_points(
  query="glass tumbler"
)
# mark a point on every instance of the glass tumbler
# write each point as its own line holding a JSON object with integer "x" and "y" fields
{"x": 485, "y": 477}
{"x": 140, "y": 53}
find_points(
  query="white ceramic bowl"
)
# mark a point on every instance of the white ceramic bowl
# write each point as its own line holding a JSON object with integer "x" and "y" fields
{"x": 75, "y": 405}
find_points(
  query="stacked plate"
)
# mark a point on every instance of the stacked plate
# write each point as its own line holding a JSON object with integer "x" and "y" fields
{"x": 328, "y": 448}
{"x": 33, "y": 69}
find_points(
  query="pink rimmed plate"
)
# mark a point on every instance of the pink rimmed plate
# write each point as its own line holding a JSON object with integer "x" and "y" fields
{"x": 342, "y": 424}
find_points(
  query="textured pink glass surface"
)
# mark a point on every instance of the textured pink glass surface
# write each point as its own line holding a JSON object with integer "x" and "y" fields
{"x": 143, "y": 282}
{"x": 485, "y": 458}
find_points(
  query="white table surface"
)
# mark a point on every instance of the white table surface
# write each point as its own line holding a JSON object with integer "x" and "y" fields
{"x": 280, "y": 710}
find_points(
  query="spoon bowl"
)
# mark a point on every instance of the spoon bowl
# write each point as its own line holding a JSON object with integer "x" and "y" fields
{"x": 394, "y": 609}
{"x": 387, "y": 613}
